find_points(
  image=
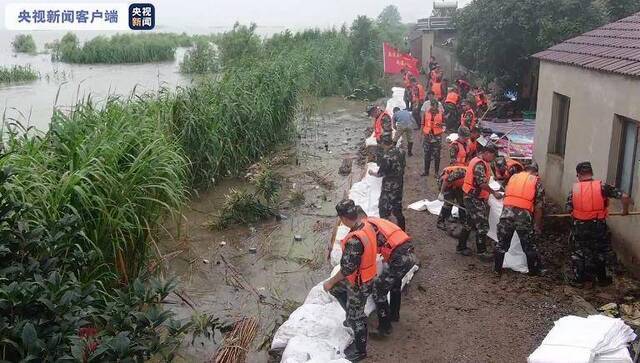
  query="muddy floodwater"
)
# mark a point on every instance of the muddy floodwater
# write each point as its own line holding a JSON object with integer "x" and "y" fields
{"x": 218, "y": 272}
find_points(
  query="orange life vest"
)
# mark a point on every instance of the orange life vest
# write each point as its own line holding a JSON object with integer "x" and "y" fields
{"x": 461, "y": 156}
{"x": 452, "y": 98}
{"x": 472, "y": 149}
{"x": 367, "y": 269}
{"x": 419, "y": 93}
{"x": 521, "y": 191}
{"x": 377, "y": 125}
{"x": 463, "y": 119}
{"x": 436, "y": 88}
{"x": 394, "y": 235}
{"x": 434, "y": 76}
{"x": 588, "y": 201}
{"x": 468, "y": 186}
{"x": 450, "y": 169}
{"x": 481, "y": 100}
{"x": 433, "y": 124}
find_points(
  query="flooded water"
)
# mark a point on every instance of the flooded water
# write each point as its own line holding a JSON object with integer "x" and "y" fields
{"x": 229, "y": 281}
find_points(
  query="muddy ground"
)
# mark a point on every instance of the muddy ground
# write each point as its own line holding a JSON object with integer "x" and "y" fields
{"x": 218, "y": 273}
{"x": 457, "y": 310}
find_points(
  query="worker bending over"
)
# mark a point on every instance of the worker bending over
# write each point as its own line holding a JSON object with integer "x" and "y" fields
{"x": 450, "y": 183}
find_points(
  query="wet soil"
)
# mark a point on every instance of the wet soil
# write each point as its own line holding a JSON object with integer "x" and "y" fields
{"x": 457, "y": 310}
{"x": 219, "y": 274}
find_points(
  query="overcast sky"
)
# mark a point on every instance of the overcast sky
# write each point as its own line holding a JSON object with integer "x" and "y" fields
{"x": 294, "y": 14}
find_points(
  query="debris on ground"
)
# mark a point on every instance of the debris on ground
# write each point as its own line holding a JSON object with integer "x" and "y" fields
{"x": 345, "y": 168}
{"x": 236, "y": 344}
{"x": 321, "y": 180}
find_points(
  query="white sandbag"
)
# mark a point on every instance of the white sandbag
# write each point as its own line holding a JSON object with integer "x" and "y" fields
{"x": 434, "y": 207}
{"x": 305, "y": 349}
{"x": 318, "y": 296}
{"x": 515, "y": 258}
{"x": 366, "y": 193}
{"x": 452, "y": 137}
{"x": 396, "y": 100}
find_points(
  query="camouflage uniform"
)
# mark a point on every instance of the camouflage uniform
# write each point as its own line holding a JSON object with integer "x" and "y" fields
{"x": 453, "y": 153}
{"x": 514, "y": 219}
{"x": 432, "y": 145}
{"x": 387, "y": 127}
{"x": 591, "y": 243}
{"x": 477, "y": 216}
{"x": 453, "y": 120}
{"x": 452, "y": 195}
{"x": 391, "y": 170}
{"x": 390, "y": 279}
{"x": 353, "y": 298}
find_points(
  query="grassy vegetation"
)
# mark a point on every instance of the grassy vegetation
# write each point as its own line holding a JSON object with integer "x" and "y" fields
{"x": 120, "y": 48}
{"x": 202, "y": 58}
{"x": 18, "y": 74}
{"x": 23, "y": 43}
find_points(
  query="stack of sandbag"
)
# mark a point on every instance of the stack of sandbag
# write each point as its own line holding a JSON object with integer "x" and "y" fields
{"x": 597, "y": 339}
{"x": 314, "y": 332}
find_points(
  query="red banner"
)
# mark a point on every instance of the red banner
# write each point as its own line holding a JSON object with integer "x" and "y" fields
{"x": 394, "y": 61}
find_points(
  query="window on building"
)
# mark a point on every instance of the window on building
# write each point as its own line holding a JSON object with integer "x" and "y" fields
{"x": 628, "y": 157}
{"x": 559, "y": 124}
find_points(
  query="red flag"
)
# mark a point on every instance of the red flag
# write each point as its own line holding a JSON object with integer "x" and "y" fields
{"x": 394, "y": 61}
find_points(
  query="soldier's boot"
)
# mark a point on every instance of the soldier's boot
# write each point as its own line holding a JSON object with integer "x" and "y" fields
{"x": 437, "y": 167}
{"x": 357, "y": 350}
{"x": 427, "y": 165}
{"x": 394, "y": 305}
{"x": 384, "y": 327}
{"x": 462, "y": 248}
{"x": 601, "y": 276}
{"x": 410, "y": 148}
{"x": 442, "y": 223}
{"x": 481, "y": 248}
{"x": 498, "y": 261}
{"x": 533, "y": 264}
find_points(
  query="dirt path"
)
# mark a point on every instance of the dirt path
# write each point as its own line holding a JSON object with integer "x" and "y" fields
{"x": 455, "y": 309}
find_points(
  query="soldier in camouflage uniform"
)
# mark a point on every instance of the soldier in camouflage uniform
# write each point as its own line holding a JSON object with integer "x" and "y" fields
{"x": 392, "y": 164}
{"x": 476, "y": 191}
{"x": 450, "y": 192}
{"x": 398, "y": 261}
{"x": 352, "y": 296}
{"x": 523, "y": 216}
{"x": 590, "y": 238}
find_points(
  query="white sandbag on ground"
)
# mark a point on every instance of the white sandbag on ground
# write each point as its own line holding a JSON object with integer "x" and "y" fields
{"x": 596, "y": 338}
{"x": 434, "y": 207}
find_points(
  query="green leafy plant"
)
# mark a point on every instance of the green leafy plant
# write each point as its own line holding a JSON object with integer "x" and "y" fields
{"x": 24, "y": 43}
{"x": 18, "y": 74}
{"x": 240, "y": 207}
{"x": 202, "y": 58}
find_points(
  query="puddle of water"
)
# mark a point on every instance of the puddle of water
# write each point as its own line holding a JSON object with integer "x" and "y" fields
{"x": 282, "y": 270}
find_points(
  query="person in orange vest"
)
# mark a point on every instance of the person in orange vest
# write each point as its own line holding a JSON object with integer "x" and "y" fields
{"x": 398, "y": 255}
{"x": 451, "y": 108}
{"x": 506, "y": 168}
{"x": 382, "y": 121}
{"x": 468, "y": 117}
{"x": 481, "y": 100}
{"x": 353, "y": 284}
{"x": 436, "y": 88}
{"x": 450, "y": 184}
{"x": 473, "y": 146}
{"x": 458, "y": 148}
{"x": 464, "y": 87}
{"x": 432, "y": 130}
{"x": 476, "y": 195}
{"x": 522, "y": 213}
{"x": 417, "y": 99}
{"x": 588, "y": 204}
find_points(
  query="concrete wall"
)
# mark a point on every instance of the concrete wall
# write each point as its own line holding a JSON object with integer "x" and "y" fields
{"x": 596, "y": 99}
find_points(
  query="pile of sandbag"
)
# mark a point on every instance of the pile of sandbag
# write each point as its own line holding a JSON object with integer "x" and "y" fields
{"x": 314, "y": 332}
{"x": 597, "y": 339}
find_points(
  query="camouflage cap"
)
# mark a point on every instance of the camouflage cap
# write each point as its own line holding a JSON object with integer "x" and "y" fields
{"x": 532, "y": 167}
{"x": 463, "y": 131}
{"x": 346, "y": 208}
{"x": 584, "y": 167}
{"x": 371, "y": 108}
{"x": 491, "y": 147}
{"x": 387, "y": 139}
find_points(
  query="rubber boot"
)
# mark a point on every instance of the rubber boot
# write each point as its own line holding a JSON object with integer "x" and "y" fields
{"x": 384, "y": 328}
{"x": 442, "y": 224}
{"x": 437, "y": 170}
{"x": 462, "y": 244}
{"x": 481, "y": 248}
{"x": 410, "y": 148}
{"x": 394, "y": 305}
{"x": 533, "y": 264}
{"x": 498, "y": 261}
{"x": 427, "y": 165}
{"x": 357, "y": 351}
{"x": 601, "y": 276}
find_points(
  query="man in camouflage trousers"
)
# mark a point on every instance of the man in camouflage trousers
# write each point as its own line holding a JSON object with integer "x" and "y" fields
{"x": 392, "y": 164}
{"x": 590, "y": 238}
{"x": 352, "y": 294}
{"x": 450, "y": 184}
{"x": 476, "y": 194}
{"x": 522, "y": 213}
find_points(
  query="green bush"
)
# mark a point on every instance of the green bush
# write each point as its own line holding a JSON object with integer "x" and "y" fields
{"x": 18, "y": 74}
{"x": 55, "y": 303}
{"x": 202, "y": 58}
{"x": 24, "y": 44}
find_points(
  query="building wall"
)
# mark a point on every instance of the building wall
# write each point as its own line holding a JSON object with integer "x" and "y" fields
{"x": 596, "y": 97}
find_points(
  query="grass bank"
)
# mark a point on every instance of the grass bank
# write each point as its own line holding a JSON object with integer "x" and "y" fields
{"x": 18, "y": 74}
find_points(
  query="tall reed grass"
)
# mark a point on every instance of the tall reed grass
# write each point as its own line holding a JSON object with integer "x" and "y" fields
{"x": 18, "y": 74}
